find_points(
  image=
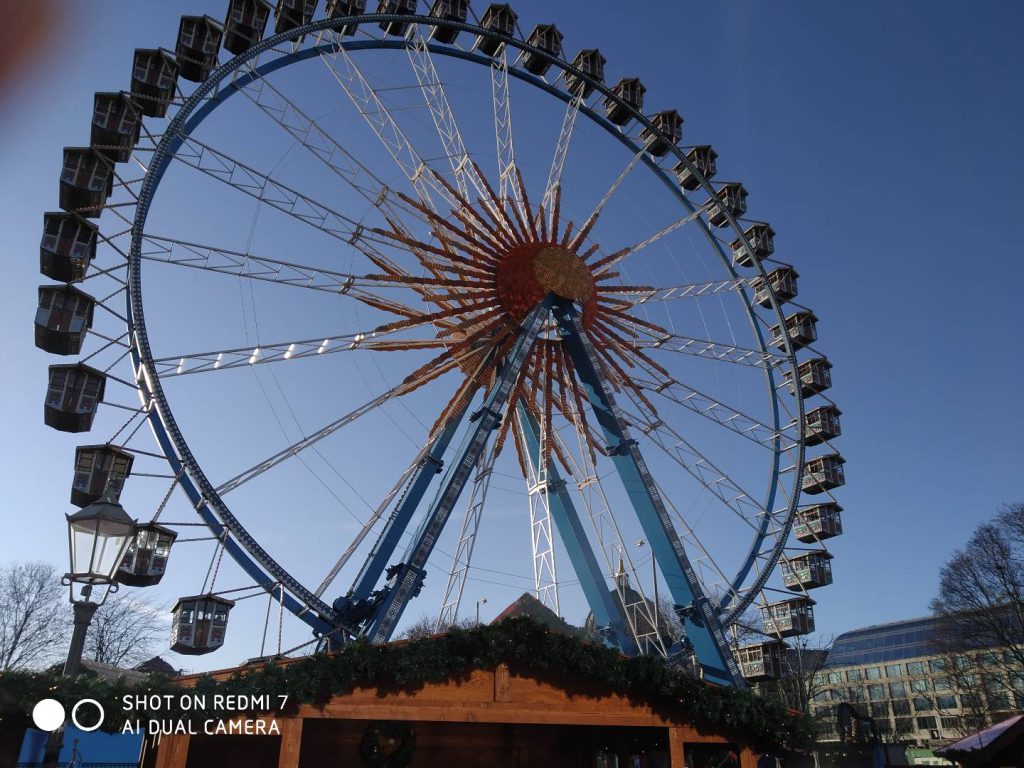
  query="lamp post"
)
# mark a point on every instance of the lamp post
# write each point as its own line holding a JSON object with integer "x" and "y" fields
{"x": 98, "y": 538}
{"x": 481, "y": 601}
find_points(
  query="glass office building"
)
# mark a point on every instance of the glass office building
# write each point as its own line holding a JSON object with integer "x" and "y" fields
{"x": 892, "y": 673}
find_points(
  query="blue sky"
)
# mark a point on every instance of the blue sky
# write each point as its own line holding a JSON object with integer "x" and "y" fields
{"x": 880, "y": 140}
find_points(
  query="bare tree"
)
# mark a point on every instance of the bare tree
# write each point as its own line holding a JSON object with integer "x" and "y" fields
{"x": 34, "y": 616}
{"x": 981, "y": 590}
{"x": 980, "y": 637}
{"x": 124, "y": 631}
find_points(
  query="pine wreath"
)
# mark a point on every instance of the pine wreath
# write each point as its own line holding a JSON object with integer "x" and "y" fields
{"x": 388, "y": 745}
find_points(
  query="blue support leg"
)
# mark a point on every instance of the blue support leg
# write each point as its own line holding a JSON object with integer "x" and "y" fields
{"x": 696, "y": 612}
{"x": 606, "y": 609}
{"x": 406, "y": 579}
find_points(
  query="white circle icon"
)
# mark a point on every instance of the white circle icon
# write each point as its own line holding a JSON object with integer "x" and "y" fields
{"x": 48, "y": 715}
{"x": 87, "y": 728}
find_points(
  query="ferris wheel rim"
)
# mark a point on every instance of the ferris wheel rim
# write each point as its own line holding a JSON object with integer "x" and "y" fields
{"x": 194, "y": 481}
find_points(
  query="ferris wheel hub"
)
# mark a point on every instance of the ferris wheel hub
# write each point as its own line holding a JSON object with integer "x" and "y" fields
{"x": 530, "y": 271}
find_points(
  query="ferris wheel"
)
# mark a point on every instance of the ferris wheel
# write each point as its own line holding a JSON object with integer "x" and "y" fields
{"x": 530, "y": 275}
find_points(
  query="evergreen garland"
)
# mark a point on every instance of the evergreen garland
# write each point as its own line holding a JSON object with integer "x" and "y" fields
{"x": 521, "y": 643}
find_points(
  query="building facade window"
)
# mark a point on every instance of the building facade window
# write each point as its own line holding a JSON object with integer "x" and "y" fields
{"x": 897, "y": 690}
{"x": 926, "y": 723}
{"x": 919, "y": 686}
{"x": 915, "y": 668}
{"x": 900, "y": 707}
{"x": 951, "y": 722}
{"x": 945, "y": 702}
{"x": 894, "y": 670}
{"x": 921, "y": 704}
{"x": 876, "y": 692}
{"x": 853, "y": 676}
{"x": 873, "y": 673}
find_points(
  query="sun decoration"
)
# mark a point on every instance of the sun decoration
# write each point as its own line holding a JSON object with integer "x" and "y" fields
{"x": 496, "y": 261}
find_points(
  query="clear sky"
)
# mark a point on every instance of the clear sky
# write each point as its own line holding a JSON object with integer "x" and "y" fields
{"x": 881, "y": 140}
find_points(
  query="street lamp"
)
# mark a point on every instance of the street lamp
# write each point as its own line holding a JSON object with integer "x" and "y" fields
{"x": 98, "y": 538}
{"x": 481, "y": 601}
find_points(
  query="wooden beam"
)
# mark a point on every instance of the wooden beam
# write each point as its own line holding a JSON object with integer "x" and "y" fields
{"x": 676, "y": 748}
{"x": 291, "y": 741}
{"x": 173, "y": 751}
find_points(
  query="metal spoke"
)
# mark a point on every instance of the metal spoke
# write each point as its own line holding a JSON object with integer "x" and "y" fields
{"x": 266, "y": 189}
{"x": 467, "y": 538}
{"x": 340, "y": 64}
{"x": 503, "y": 126}
{"x": 545, "y": 574}
{"x": 169, "y": 250}
{"x": 371, "y": 521}
{"x": 238, "y": 357}
{"x": 645, "y": 294}
{"x": 447, "y": 127}
{"x": 721, "y": 413}
{"x": 729, "y": 353}
{"x": 307, "y": 441}
{"x": 305, "y": 130}
{"x": 561, "y": 152}
{"x": 702, "y": 469}
{"x": 603, "y": 266}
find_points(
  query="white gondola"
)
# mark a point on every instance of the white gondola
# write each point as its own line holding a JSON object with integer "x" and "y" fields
{"x": 823, "y": 473}
{"x": 154, "y": 80}
{"x": 591, "y": 63}
{"x": 400, "y": 8}
{"x": 116, "y": 122}
{"x": 818, "y": 522}
{"x": 822, "y": 424}
{"x": 245, "y": 24}
{"x": 789, "y": 618}
{"x": 452, "y": 10}
{"x": 145, "y": 562}
{"x": 199, "y": 624}
{"x": 807, "y": 571}
{"x": 500, "y": 20}
{"x": 782, "y": 282}
{"x": 815, "y": 376}
{"x": 86, "y": 181}
{"x": 760, "y": 236}
{"x": 669, "y": 123}
{"x": 703, "y": 159}
{"x": 63, "y": 318}
{"x": 199, "y": 39}
{"x": 547, "y": 38}
{"x": 100, "y": 472}
{"x": 801, "y": 327}
{"x": 760, "y": 662}
{"x": 72, "y": 396}
{"x": 731, "y": 198}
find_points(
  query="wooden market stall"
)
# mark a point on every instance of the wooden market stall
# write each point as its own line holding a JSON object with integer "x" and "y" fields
{"x": 507, "y": 715}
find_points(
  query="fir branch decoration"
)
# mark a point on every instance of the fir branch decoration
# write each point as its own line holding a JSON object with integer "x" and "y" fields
{"x": 528, "y": 648}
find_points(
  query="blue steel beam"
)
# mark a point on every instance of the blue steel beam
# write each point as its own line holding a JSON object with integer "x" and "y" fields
{"x": 606, "y": 608}
{"x": 406, "y": 578}
{"x": 694, "y": 609}
{"x": 390, "y": 536}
